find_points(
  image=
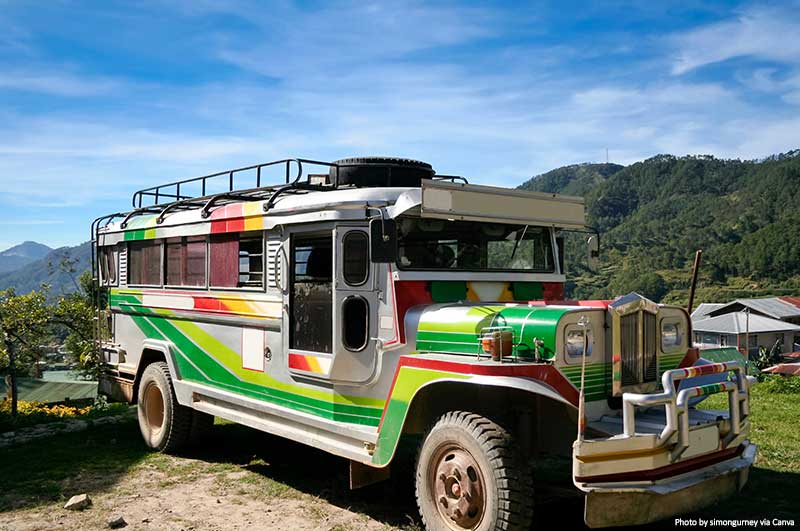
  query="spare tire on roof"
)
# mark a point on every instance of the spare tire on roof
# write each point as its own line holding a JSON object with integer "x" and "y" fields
{"x": 381, "y": 171}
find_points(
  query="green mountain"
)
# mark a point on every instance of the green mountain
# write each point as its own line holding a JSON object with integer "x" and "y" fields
{"x": 654, "y": 214}
{"x": 20, "y": 255}
{"x": 60, "y": 268}
{"x": 576, "y": 179}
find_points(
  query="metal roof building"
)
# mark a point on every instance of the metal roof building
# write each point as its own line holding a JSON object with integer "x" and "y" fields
{"x": 737, "y": 323}
{"x": 775, "y": 307}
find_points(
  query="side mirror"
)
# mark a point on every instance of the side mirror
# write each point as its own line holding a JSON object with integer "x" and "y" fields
{"x": 383, "y": 240}
{"x": 593, "y": 252}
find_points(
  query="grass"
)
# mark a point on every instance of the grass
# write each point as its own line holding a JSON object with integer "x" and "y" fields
{"x": 248, "y": 465}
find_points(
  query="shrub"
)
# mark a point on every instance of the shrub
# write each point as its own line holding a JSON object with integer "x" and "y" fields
{"x": 32, "y": 413}
{"x": 777, "y": 384}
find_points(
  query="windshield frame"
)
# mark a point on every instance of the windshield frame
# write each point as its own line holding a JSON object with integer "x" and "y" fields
{"x": 549, "y": 231}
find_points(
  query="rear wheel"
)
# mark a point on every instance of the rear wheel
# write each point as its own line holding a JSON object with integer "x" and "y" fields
{"x": 469, "y": 476}
{"x": 164, "y": 423}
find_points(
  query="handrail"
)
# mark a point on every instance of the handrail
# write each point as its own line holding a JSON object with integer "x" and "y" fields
{"x": 676, "y": 403}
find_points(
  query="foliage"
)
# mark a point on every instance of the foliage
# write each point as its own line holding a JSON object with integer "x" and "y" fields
{"x": 75, "y": 312}
{"x": 23, "y": 327}
{"x": 33, "y": 413}
{"x": 779, "y": 384}
{"x": 654, "y": 214}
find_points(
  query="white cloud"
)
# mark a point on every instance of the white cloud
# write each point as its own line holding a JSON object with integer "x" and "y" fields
{"x": 762, "y": 32}
{"x": 55, "y": 83}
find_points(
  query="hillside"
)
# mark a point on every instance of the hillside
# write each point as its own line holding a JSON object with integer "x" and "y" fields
{"x": 20, "y": 255}
{"x": 654, "y": 214}
{"x": 576, "y": 179}
{"x": 47, "y": 269}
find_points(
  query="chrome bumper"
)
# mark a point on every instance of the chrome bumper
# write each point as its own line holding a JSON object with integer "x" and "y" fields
{"x": 635, "y": 504}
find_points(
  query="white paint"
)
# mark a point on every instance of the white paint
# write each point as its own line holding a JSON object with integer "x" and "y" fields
{"x": 253, "y": 340}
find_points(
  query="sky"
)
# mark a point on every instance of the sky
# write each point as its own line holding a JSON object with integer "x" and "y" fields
{"x": 99, "y": 99}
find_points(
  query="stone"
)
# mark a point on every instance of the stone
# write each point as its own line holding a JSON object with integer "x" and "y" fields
{"x": 117, "y": 522}
{"x": 78, "y": 502}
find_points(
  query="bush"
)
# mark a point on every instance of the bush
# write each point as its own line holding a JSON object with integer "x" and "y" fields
{"x": 32, "y": 413}
{"x": 777, "y": 384}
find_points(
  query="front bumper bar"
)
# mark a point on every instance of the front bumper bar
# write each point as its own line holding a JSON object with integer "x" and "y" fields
{"x": 636, "y": 503}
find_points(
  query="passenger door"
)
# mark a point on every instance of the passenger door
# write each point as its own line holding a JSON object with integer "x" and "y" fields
{"x": 310, "y": 304}
{"x": 355, "y": 306}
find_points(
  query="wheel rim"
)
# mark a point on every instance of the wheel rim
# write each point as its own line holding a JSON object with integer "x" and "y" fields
{"x": 153, "y": 407}
{"x": 457, "y": 486}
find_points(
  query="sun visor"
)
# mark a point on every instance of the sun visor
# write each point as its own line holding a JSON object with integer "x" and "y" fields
{"x": 448, "y": 200}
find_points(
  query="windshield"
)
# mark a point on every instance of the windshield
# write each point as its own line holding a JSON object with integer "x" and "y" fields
{"x": 473, "y": 246}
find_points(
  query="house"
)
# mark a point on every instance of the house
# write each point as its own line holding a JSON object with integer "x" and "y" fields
{"x": 749, "y": 324}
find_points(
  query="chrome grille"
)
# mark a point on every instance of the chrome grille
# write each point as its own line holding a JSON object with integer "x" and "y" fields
{"x": 629, "y": 331}
{"x": 650, "y": 354}
{"x": 638, "y": 366}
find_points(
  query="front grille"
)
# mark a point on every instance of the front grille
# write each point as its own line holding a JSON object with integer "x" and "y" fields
{"x": 638, "y": 366}
{"x": 629, "y": 330}
{"x": 650, "y": 346}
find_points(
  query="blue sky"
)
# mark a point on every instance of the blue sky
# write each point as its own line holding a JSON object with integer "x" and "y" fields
{"x": 98, "y": 99}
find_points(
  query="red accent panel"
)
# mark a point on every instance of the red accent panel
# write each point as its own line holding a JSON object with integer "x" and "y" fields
{"x": 208, "y": 303}
{"x": 544, "y": 373}
{"x": 553, "y": 290}
{"x": 692, "y": 355}
{"x": 409, "y": 293}
{"x": 298, "y": 362}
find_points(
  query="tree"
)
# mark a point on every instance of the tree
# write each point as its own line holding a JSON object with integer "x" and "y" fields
{"x": 75, "y": 312}
{"x": 23, "y": 327}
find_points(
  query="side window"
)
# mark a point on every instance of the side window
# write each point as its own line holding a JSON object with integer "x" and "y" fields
{"x": 312, "y": 293}
{"x": 575, "y": 338}
{"x": 144, "y": 263}
{"x": 355, "y": 262}
{"x": 107, "y": 262}
{"x": 355, "y": 323}
{"x": 237, "y": 260}
{"x": 186, "y": 261}
{"x": 672, "y": 333}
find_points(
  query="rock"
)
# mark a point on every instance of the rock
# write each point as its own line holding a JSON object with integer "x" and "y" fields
{"x": 117, "y": 523}
{"x": 78, "y": 502}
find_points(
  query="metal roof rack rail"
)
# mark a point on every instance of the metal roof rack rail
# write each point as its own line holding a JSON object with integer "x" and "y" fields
{"x": 169, "y": 193}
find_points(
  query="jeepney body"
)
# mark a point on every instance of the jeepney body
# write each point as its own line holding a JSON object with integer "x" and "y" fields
{"x": 275, "y": 311}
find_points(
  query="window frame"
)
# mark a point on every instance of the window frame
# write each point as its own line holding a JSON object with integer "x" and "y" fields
{"x": 588, "y": 338}
{"x": 350, "y": 234}
{"x": 682, "y": 330}
{"x": 129, "y": 269}
{"x": 183, "y": 240}
{"x": 345, "y": 301}
{"x": 253, "y": 234}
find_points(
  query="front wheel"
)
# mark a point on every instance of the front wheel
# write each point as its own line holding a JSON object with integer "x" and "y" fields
{"x": 470, "y": 476}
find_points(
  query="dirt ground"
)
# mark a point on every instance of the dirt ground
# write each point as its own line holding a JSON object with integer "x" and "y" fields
{"x": 237, "y": 479}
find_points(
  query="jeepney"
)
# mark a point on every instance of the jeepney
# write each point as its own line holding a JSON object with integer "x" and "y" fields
{"x": 375, "y": 303}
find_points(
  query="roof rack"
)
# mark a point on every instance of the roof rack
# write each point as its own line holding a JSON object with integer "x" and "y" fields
{"x": 165, "y": 194}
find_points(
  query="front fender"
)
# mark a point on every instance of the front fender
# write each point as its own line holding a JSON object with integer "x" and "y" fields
{"x": 417, "y": 374}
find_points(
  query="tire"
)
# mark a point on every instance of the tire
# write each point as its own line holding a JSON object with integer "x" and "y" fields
{"x": 470, "y": 476}
{"x": 165, "y": 424}
{"x": 381, "y": 171}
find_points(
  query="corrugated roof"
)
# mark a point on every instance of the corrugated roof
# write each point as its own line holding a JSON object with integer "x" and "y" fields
{"x": 705, "y": 308}
{"x": 771, "y": 306}
{"x": 44, "y": 391}
{"x": 737, "y": 323}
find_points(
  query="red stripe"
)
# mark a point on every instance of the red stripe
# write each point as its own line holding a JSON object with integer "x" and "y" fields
{"x": 544, "y": 373}
{"x": 299, "y": 362}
